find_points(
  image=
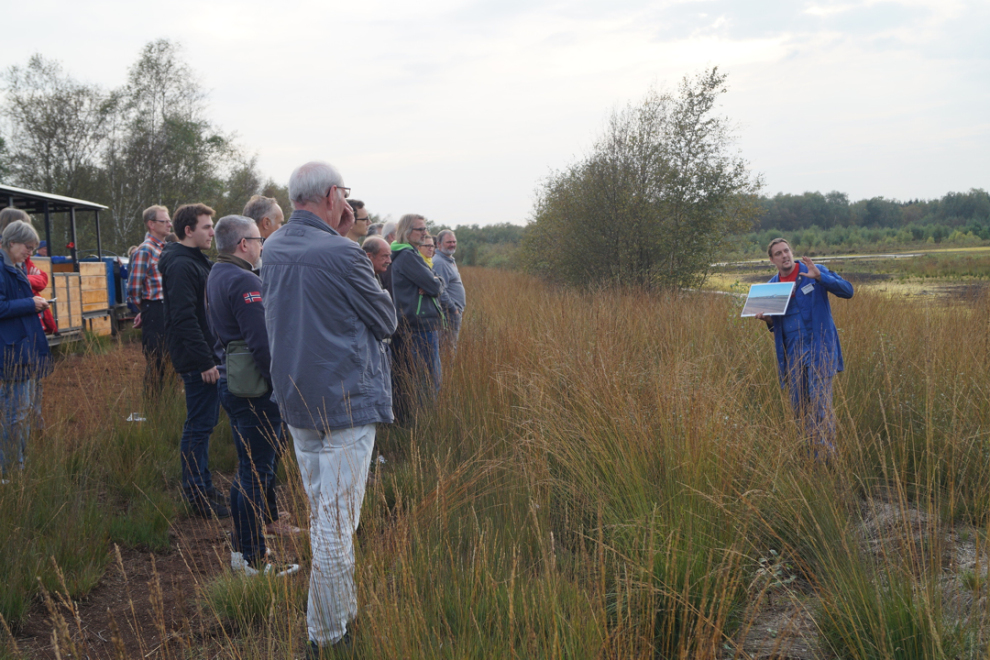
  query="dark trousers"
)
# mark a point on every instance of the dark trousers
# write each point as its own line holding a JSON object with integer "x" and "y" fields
{"x": 271, "y": 512}
{"x": 416, "y": 371}
{"x": 153, "y": 345}
{"x": 257, "y": 428}
{"x": 202, "y": 414}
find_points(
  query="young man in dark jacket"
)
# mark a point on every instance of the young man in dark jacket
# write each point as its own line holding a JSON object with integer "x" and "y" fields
{"x": 237, "y": 313}
{"x": 184, "y": 269}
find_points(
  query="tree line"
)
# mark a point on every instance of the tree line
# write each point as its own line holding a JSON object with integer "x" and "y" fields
{"x": 823, "y": 222}
{"x": 146, "y": 142}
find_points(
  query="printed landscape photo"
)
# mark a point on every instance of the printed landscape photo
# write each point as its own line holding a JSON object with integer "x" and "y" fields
{"x": 768, "y": 299}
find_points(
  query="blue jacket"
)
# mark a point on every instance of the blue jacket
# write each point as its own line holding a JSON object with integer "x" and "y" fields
{"x": 236, "y": 312}
{"x": 820, "y": 340}
{"x": 326, "y": 316}
{"x": 446, "y": 269}
{"x": 25, "y": 348}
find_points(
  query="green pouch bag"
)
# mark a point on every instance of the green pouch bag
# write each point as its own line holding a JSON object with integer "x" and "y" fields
{"x": 243, "y": 378}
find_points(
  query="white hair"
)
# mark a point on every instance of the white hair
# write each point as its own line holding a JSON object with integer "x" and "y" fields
{"x": 311, "y": 182}
{"x": 19, "y": 232}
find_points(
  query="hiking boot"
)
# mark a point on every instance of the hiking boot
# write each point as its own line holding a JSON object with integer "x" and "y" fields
{"x": 210, "y": 510}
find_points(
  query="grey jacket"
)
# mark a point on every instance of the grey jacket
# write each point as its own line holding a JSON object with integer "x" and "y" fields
{"x": 410, "y": 276}
{"x": 326, "y": 317}
{"x": 446, "y": 268}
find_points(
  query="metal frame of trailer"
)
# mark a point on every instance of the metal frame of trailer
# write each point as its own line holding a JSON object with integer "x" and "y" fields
{"x": 45, "y": 204}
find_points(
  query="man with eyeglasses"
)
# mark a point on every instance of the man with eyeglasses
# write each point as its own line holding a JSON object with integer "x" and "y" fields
{"x": 362, "y": 220}
{"x": 327, "y": 318}
{"x": 237, "y": 314}
{"x": 144, "y": 293}
{"x": 446, "y": 268}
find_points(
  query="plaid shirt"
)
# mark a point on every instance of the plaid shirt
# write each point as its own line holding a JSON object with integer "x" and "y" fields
{"x": 145, "y": 282}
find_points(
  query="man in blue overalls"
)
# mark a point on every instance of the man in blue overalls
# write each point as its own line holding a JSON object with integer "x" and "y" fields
{"x": 808, "y": 351}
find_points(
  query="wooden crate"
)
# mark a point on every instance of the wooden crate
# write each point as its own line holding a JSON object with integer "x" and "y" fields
{"x": 100, "y": 326}
{"x": 68, "y": 306}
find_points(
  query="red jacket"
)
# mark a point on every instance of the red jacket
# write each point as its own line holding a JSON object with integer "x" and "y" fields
{"x": 39, "y": 280}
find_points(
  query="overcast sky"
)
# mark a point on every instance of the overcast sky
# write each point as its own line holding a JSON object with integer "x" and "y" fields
{"x": 457, "y": 109}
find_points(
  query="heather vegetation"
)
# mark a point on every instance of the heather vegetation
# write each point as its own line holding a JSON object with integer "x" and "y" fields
{"x": 607, "y": 473}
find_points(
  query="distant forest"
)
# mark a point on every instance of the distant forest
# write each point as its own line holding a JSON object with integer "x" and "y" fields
{"x": 829, "y": 222}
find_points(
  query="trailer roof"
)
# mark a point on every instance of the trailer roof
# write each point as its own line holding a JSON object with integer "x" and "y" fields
{"x": 34, "y": 202}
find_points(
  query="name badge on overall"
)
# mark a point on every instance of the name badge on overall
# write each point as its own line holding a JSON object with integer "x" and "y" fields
{"x": 808, "y": 288}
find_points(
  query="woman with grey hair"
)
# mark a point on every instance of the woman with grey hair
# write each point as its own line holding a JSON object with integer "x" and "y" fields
{"x": 25, "y": 354}
{"x": 36, "y": 277}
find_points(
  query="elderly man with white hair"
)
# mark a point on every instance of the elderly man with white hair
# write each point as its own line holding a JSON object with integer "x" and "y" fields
{"x": 326, "y": 317}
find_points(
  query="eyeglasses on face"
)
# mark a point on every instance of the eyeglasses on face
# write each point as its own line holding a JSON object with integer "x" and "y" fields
{"x": 418, "y": 229}
{"x": 343, "y": 189}
{"x": 255, "y": 238}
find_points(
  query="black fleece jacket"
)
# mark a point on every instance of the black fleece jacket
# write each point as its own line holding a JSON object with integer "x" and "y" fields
{"x": 187, "y": 333}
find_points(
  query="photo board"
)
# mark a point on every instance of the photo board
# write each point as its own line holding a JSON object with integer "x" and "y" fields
{"x": 768, "y": 299}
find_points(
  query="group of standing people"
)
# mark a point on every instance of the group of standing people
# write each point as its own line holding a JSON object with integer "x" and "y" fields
{"x": 296, "y": 327}
{"x": 312, "y": 326}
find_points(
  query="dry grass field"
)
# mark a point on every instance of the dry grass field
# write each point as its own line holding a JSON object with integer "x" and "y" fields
{"x": 606, "y": 474}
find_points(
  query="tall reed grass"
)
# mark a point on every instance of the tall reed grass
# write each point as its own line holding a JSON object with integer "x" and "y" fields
{"x": 609, "y": 474}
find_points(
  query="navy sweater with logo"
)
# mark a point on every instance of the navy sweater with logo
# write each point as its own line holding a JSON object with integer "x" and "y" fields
{"x": 237, "y": 312}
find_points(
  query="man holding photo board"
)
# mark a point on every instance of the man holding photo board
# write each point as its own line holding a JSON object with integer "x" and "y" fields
{"x": 807, "y": 343}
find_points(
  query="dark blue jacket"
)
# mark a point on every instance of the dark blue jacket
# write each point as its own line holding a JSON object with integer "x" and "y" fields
{"x": 822, "y": 346}
{"x": 25, "y": 348}
{"x": 236, "y": 312}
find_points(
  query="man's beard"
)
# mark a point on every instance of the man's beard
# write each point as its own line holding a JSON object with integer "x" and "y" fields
{"x": 449, "y": 254}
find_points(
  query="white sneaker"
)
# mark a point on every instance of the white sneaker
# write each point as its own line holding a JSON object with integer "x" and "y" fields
{"x": 237, "y": 561}
{"x": 272, "y": 568}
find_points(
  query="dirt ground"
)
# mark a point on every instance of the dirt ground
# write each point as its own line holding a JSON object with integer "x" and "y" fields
{"x": 138, "y": 593}
{"x": 140, "y": 590}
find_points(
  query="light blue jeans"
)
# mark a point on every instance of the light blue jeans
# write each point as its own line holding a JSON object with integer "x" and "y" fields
{"x": 18, "y": 403}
